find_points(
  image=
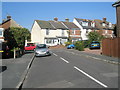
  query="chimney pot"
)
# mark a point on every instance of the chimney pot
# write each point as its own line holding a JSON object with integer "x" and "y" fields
{"x": 104, "y": 19}
{"x": 55, "y": 19}
{"x": 67, "y": 20}
{"x": 8, "y": 17}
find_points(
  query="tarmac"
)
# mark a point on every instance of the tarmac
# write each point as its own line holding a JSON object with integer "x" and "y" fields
{"x": 15, "y": 70}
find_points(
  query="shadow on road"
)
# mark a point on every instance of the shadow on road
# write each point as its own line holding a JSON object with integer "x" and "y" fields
{"x": 3, "y": 68}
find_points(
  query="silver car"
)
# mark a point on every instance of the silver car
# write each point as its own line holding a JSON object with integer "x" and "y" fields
{"x": 42, "y": 50}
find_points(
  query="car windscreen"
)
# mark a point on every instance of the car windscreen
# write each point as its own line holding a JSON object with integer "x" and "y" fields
{"x": 41, "y": 46}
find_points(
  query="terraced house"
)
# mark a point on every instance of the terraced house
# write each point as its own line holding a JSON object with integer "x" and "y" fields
{"x": 54, "y": 32}
{"x": 104, "y": 27}
{"x": 85, "y": 26}
{"x": 49, "y": 32}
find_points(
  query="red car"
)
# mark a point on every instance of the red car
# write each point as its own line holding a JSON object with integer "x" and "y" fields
{"x": 30, "y": 47}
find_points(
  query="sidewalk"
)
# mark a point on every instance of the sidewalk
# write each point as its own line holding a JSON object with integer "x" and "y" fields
{"x": 97, "y": 56}
{"x": 15, "y": 70}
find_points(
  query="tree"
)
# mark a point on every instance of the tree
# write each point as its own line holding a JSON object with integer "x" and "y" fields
{"x": 95, "y": 36}
{"x": 20, "y": 35}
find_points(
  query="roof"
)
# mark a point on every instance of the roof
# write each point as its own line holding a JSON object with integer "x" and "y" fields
{"x": 13, "y": 23}
{"x": 71, "y": 25}
{"x": 116, "y": 4}
{"x": 98, "y": 24}
{"x": 84, "y": 20}
{"x": 44, "y": 24}
{"x": 58, "y": 25}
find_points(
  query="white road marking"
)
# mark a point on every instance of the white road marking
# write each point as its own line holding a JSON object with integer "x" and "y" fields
{"x": 64, "y": 60}
{"x": 55, "y": 54}
{"x": 91, "y": 77}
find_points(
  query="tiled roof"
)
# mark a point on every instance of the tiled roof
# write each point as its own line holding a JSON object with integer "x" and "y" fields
{"x": 98, "y": 24}
{"x": 58, "y": 25}
{"x": 44, "y": 24}
{"x": 14, "y": 24}
{"x": 82, "y": 20}
{"x": 71, "y": 25}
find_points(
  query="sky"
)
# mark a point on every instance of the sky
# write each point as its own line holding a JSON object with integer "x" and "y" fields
{"x": 24, "y": 13}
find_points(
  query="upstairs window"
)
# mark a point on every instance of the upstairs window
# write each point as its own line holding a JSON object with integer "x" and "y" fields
{"x": 62, "y": 33}
{"x": 103, "y": 24}
{"x": 73, "y": 31}
{"x": 47, "y": 32}
{"x": 1, "y": 33}
{"x": 84, "y": 23}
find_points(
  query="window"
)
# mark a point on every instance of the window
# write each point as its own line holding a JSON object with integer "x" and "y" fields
{"x": 50, "y": 41}
{"x": 73, "y": 31}
{"x": 47, "y": 32}
{"x": 85, "y": 23}
{"x": 110, "y": 24}
{"x": 103, "y": 24}
{"x": 1, "y": 33}
{"x": 62, "y": 32}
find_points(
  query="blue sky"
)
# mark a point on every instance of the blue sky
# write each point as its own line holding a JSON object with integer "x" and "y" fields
{"x": 25, "y": 13}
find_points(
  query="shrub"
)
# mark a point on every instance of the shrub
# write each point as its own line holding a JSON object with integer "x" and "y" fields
{"x": 79, "y": 45}
{"x": 67, "y": 43}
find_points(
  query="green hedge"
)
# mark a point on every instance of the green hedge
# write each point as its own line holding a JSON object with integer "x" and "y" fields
{"x": 79, "y": 45}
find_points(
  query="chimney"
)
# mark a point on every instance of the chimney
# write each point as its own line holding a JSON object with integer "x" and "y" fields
{"x": 55, "y": 19}
{"x": 104, "y": 19}
{"x": 8, "y": 17}
{"x": 67, "y": 20}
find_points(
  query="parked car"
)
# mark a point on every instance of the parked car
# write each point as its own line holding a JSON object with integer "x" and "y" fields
{"x": 94, "y": 45}
{"x": 30, "y": 47}
{"x": 70, "y": 46}
{"x": 42, "y": 50}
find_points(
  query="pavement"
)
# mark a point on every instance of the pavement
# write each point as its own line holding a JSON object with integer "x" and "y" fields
{"x": 15, "y": 70}
{"x": 96, "y": 54}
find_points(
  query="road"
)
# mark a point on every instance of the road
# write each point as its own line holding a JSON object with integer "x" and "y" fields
{"x": 66, "y": 69}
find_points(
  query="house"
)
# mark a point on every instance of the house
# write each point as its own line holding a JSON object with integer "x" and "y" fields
{"x": 85, "y": 26}
{"x": 117, "y": 5}
{"x": 49, "y": 32}
{"x": 6, "y": 36}
{"x": 5, "y": 27}
{"x": 104, "y": 27}
{"x": 74, "y": 30}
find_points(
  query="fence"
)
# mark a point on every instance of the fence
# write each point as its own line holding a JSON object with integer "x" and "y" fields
{"x": 111, "y": 47}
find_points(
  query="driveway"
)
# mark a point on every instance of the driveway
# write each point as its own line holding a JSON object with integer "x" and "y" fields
{"x": 93, "y": 51}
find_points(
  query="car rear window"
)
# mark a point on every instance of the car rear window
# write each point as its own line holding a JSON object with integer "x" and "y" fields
{"x": 41, "y": 46}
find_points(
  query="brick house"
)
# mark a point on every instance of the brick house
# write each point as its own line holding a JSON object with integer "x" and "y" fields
{"x": 5, "y": 27}
{"x": 104, "y": 27}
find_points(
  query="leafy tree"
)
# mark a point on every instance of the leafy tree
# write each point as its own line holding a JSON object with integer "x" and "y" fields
{"x": 20, "y": 35}
{"x": 95, "y": 36}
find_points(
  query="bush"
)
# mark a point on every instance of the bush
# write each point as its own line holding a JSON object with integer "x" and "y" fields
{"x": 79, "y": 45}
{"x": 67, "y": 43}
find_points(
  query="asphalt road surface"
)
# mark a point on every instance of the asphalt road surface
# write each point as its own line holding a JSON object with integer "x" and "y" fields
{"x": 64, "y": 69}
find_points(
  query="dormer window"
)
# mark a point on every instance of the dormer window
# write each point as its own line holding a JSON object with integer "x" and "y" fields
{"x": 110, "y": 24}
{"x": 84, "y": 23}
{"x": 103, "y": 24}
